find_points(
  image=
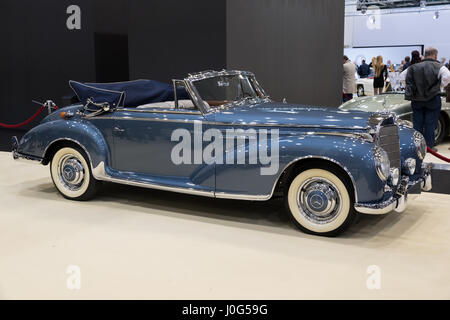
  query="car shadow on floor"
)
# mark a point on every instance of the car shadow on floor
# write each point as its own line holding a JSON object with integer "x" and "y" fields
{"x": 261, "y": 215}
{"x": 266, "y": 216}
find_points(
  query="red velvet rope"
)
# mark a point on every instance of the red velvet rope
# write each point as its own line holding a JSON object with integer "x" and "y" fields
{"x": 437, "y": 155}
{"x": 12, "y": 126}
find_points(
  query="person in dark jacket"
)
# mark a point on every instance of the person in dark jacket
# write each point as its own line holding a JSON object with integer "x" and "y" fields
{"x": 424, "y": 83}
{"x": 364, "y": 69}
{"x": 407, "y": 63}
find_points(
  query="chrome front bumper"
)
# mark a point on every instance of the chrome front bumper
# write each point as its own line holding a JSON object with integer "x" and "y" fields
{"x": 399, "y": 201}
{"x": 20, "y": 156}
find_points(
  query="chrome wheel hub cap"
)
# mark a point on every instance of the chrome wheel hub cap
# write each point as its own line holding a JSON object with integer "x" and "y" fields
{"x": 71, "y": 172}
{"x": 319, "y": 200}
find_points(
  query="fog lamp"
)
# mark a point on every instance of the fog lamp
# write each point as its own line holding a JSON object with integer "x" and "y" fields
{"x": 410, "y": 166}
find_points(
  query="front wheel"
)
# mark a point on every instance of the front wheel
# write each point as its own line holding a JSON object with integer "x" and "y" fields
{"x": 72, "y": 175}
{"x": 319, "y": 202}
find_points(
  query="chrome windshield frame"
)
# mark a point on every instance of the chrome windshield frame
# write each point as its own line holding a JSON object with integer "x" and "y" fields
{"x": 203, "y": 106}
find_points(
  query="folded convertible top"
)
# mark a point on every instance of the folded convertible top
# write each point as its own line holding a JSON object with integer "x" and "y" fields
{"x": 126, "y": 94}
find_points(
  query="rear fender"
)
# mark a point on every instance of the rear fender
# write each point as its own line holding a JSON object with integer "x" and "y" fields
{"x": 38, "y": 142}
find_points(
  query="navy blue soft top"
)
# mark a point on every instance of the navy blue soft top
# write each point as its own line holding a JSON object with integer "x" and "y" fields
{"x": 126, "y": 94}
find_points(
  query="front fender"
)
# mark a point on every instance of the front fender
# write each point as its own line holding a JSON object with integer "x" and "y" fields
{"x": 38, "y": 140}
{"x": 348, "y": 151}
{"x": 352, "y": 154}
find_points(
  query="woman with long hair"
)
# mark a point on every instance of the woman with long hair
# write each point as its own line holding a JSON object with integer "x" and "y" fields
{"x": 380, "y": 77}
{"x": 415, "y": 57}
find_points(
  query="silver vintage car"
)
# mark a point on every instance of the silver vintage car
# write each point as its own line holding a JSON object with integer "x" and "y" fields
{"x": 395, "y": 102}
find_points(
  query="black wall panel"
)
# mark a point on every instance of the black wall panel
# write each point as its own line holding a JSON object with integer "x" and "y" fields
{"x": 170, "y": 38}
{"x": 39, "y": 54}
{"x": 293, "y": 46}
{"x": 118, "y": 40}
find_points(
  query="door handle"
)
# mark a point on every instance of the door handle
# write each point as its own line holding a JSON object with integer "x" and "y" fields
{"x": 118, "y": 129}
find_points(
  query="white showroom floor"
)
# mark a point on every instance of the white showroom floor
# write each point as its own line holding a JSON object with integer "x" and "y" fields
{"x": 140, "y": 243}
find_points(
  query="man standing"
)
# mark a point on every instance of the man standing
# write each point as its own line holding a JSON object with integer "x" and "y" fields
{"x": 424, "y": 83}
{"x": 407, "y": 63}
{"x": 364, "y": 69}
{"x": 349, "y": 84}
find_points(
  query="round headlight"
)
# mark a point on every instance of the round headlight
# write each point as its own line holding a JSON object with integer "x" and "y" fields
{"x": 395, "y": 176}
{"x": 421, "y": 145}
{"x": 382, "y": 163}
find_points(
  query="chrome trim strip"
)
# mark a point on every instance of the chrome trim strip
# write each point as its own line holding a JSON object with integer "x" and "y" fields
{"x": 234, "y": 196}
{"x": 328, "y": 126}
{"x": 358, "y": 135}
{"x": 99, "y": 173}
{"x": 242, "y": 124}
{"x": 212, "y": 73}
{"x": 147, "y": 119}
{"x": 157, "y": 111}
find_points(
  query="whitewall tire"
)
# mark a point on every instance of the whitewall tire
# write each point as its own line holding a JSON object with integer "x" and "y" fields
{"x": 319, "y": 202}
{"x": 72, "y": 175}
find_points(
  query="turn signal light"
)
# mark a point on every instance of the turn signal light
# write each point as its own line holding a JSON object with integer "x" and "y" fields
{"x": 62, "y": 115}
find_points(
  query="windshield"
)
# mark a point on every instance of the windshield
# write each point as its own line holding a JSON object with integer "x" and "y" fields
{"x": 220, "y": 90}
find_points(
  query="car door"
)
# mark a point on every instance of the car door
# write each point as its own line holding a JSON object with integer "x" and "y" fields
{"x": 144, "y": 142}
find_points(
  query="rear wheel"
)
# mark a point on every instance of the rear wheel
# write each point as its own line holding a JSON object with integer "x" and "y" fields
{"x": 319, "y": 201}
{"x": 72, "y": 175}
{"x": 441, "y": 131}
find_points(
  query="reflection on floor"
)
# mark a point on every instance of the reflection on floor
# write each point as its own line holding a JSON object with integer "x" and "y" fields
{"x": 141, "y": 243}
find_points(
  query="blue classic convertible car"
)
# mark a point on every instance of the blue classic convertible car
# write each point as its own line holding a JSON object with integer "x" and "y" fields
{"x": 218, "y": 134}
